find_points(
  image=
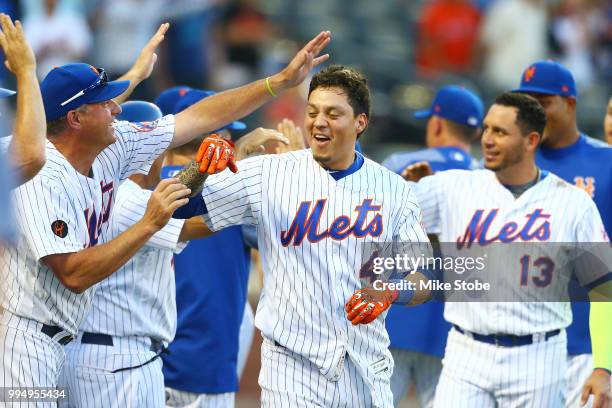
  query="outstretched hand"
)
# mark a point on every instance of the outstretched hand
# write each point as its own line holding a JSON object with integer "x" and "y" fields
{"x": 305, "y": 60}
{"x": 143, "y": 67}
{"x": 293, "y": 133}
{"x": 256, "y": 141}
{"x": 19, "y": 55}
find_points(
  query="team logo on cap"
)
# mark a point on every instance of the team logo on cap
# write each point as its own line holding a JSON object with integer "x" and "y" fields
{"x": 143, "y": 126}
{"x": 586, "y": 183}
{"x": 529, "y": 73}
{"x": 59, "y": 228}
{"x": 565, "y": 88}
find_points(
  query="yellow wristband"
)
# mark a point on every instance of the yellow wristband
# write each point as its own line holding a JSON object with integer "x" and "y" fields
{"x": 269, "y": 87}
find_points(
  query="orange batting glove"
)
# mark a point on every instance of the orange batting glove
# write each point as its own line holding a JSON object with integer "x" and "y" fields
{"x": 367, "y": 304}
{"x": 215, "y": 154}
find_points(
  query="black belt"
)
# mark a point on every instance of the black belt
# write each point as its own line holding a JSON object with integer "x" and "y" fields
{"x": 506, "y": 340}
{"x": 157, "y": 346}
{"x": 57, "y": 333}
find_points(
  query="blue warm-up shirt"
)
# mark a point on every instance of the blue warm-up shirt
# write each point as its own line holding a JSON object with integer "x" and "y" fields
{"x": 423, "y": 328}
{"x": 588, "y": 165}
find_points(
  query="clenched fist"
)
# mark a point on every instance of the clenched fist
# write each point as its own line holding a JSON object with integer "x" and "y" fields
{"x": 367, "y": 304}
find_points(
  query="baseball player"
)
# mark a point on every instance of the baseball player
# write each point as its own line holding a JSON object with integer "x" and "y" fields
{"x": 133, "y": 312}
{"x": 27, "y": 146}
{"x": 418, "y": 335}
{"x": 511, "y": 354}
{"x": 579, "y": 160}
{"x": 64, "y": 248}
{"x": 314, "y": 209}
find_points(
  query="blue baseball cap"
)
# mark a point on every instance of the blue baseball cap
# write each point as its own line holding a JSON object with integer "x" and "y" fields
{"x": 6, "y": 92}
{"x": 456, "y": 104}
{"x": 166, "y": 101}
{"x": 67, "y": 87}
{"x": 139, "y": 111}
{"x": 548, "y": 77}
{"x": 195, "y": 95}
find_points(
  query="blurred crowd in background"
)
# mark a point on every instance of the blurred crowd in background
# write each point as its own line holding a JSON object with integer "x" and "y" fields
{"x": 407, "y": 48}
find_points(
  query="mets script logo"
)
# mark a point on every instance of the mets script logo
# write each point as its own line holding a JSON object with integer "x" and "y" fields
{"x": 143, "y": 126}
{"x": 535, "y": 227}
{"x": 59, "y": 228}
{"x": 529, "y": 73}
{"x": 587, "y": 184}
{"x": 306, "y": 223}
{"x": 94, "y": 221}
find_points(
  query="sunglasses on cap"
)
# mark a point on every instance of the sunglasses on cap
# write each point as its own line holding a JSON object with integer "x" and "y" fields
{"x": 98, "y": 83}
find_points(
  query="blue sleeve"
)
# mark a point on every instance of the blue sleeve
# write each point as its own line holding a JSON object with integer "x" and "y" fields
{"x": 194, "y": 207}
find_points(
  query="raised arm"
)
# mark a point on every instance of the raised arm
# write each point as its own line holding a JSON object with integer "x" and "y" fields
{"x": 27, "y": 148}
{"x": 216, "y": 111}
{"x": 143, "y": 67}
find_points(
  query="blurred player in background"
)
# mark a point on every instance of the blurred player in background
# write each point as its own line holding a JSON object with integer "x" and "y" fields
{"x": 453, "y": 124}
{"x": 418, "y": 335}
{"x": 584, "y": 162}
{"x": 25, "y": 151}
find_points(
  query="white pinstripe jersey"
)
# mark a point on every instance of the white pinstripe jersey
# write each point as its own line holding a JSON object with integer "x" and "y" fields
{"x": 140, "y": 298}
{"x": 63, "y": 211}
{"x": 457, "y": 205}
{"x": 310, "y": 231}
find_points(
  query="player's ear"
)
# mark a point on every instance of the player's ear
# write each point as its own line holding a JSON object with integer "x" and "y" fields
{"x": 437, "y": 124}
{"x": 362, "y": 123}
{"x": 73, "y": 119}
{"x": 533, "y": 141}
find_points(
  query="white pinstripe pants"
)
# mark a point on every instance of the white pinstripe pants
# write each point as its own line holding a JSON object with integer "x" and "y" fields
{"x": 290, "y": 380}
{"x": 183, "y": 399}
{"x": 29, "y": 357}
{"x": 477, "y": 374}
{"x": 91, "y": 383}
{"x": 422, "y": 369}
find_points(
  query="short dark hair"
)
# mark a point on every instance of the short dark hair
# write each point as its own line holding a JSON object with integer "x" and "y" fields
{"x": 350, "y": 81}
{"x": 57, "y": 126}
{"x": 530, "y": 115}
{"x": 466, "y": 133}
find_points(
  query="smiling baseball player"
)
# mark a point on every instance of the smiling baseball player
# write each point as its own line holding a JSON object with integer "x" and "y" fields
{"x": 314, "y": 209}
{"x": 514, "y": 353}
